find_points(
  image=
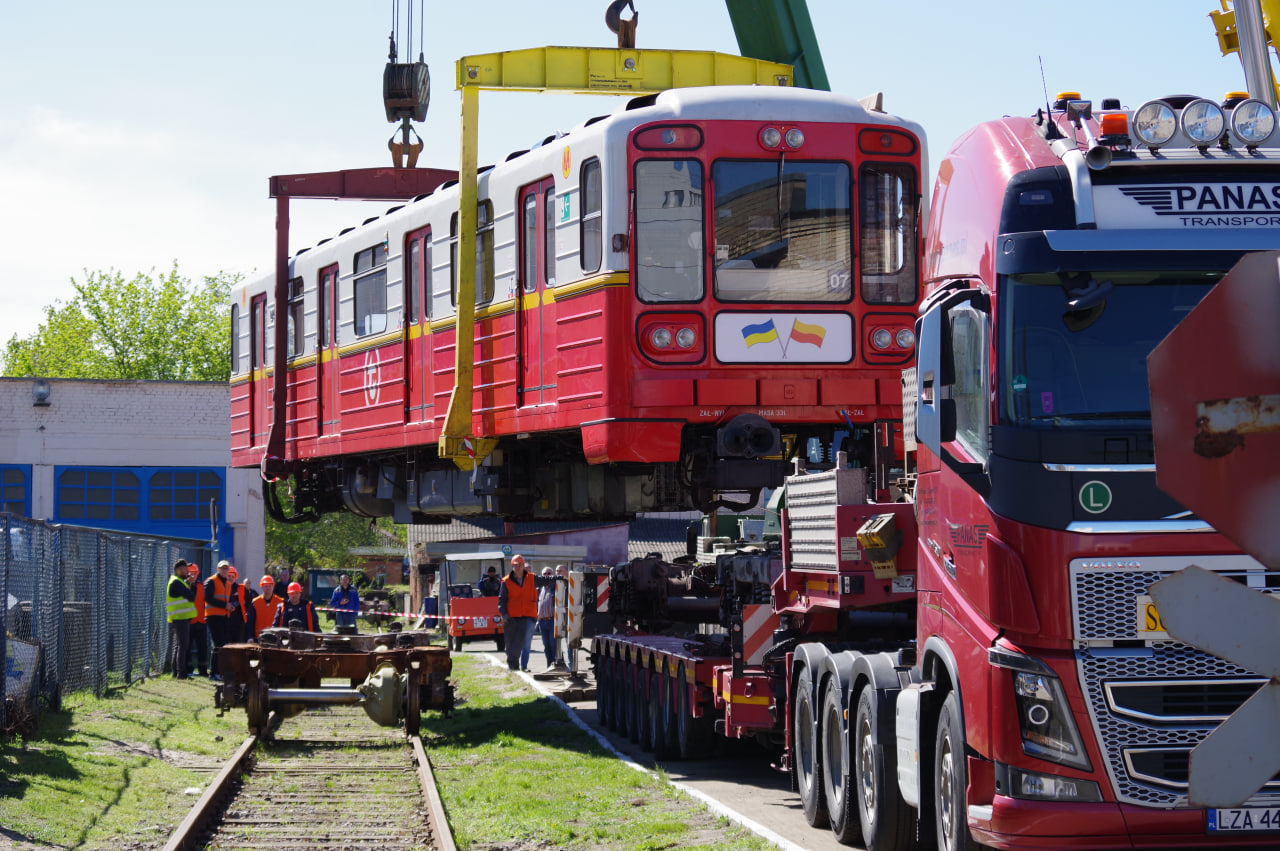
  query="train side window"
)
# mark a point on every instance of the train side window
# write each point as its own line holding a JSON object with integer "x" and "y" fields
{"x": 484, "y": 253}
{"x": 529, "y": 243}
{"x": 889, "y": 212}
{"x": 549, "y": 222}
{"x": 669, "y": 227}
{"x": 371, "y": 290}
{"x": 417, "y": 273}
{"x": 297, "y": 317}
{"x": 324, "y": 313}
{"x": 236, "y": 366}
{"x": 591, "y": 227}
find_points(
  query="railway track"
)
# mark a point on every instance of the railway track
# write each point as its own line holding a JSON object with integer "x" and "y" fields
{"x": 328, "y": 780}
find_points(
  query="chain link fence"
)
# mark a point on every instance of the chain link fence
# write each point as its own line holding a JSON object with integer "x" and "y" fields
{"x": 83, "y": 608}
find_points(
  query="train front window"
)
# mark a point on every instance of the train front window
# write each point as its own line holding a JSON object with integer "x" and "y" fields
{"x": 782, "y": 231}
{"x": 1076, "y": 344}
{"x": 668, "y": 198}
{"x": 889, "y": 218}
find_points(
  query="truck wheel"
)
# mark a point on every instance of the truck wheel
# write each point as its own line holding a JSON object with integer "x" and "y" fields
{"x": 836, "y": 770}
{"x": 887, "y": 822}
{"x": 621, "y": 715}
{"x": 669, "y": 717}
{"x": 805, "y": 759}
{"x": 693, "y": 735}
{"x": 950, "y": 779}
{"x": 657, "y": 729}
{"x": 603, "y": 697}
{"x": 639, "y": 706}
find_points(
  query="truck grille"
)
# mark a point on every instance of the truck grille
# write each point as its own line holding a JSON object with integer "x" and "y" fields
{"x": 1152, "y": 701}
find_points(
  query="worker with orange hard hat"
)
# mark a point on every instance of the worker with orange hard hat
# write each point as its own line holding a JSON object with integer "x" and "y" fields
{"x": 220, "y": 595}
{"x": 262, "y": 612}
{"x": 297, "y": 610}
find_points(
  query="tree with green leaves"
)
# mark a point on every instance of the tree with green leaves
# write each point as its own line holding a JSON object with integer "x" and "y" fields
{"x": 327, "y": 542}
{"x": 153, "y": 327}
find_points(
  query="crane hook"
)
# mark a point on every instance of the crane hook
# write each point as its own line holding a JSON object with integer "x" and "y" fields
{"x": 626, "y": 30}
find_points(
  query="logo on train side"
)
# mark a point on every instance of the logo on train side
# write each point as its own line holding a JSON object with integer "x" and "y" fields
{"x": 565, "y": 161}
{"x": 372, "y": 380}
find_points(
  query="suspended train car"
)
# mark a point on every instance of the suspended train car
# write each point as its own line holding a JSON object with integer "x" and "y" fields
{"x": 671, "y": 301}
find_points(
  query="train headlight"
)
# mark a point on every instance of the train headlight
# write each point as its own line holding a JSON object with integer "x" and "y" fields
{"x": 1253, "y": 122}
{"x": 661, "y": 338}
{"x": 905, "y": 338}
{"x": 1154, "y": 123}
{"x": 1203, "y": 122}
{"x": 795, "y": 137}
{"x": 771, "y": 137}
{"x": 881, "y": 338}
{"x": 685, "y": 338}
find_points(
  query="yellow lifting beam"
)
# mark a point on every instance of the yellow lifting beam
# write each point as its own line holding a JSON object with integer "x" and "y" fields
{"x": 1224, "y": 23}
{"x": 585, "y": 70}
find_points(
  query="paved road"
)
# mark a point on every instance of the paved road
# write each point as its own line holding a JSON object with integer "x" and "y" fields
{"x": 739, "y": 777}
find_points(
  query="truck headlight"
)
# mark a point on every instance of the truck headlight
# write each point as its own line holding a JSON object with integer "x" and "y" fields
{"x": 1154, "y": 123}
{"x": 1048, "y": 729}
{"x": 1253, "y": 122}
{"x": 1030, "y": 785}
{"x": 1203, "y": 122}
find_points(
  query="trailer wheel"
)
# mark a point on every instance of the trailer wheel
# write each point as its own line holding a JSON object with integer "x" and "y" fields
{"x": 604, "y": 685}
{"x": 620, "y": 700}
{"x": 806, "y": 758}
{"x": 693, "y": 735}
{"x": 837, "y": 768}
{"x": 668, "y": 715}
{"x": 950, "y": 779}
{"x": 888, "y": 824}
{"x": 658, "y": 736}
{"x": 639, "y": 729}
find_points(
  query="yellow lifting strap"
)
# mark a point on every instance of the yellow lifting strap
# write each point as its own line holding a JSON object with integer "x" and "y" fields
{"x": 585, "y": 70}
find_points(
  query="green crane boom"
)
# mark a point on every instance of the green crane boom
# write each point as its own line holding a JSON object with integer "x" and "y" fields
{"x": 780, "y": 31}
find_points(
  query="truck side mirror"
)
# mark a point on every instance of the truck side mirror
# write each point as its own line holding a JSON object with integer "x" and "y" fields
{"x": 935, "y": 374}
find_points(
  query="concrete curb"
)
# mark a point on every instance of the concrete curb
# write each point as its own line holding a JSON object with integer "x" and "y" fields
{"x": 711, "y": 803}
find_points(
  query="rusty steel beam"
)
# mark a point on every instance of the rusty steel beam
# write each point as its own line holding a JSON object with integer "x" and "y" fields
{"x": 362, "y": 184}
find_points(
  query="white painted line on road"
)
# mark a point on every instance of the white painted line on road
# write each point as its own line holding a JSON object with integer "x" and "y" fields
{"x": 711, "y": 803}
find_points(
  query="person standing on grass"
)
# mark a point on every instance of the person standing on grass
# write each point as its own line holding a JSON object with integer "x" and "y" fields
{"x": 518, "y": 606}
{"x": 199, "y": 630}
{"x": 219, "y": 596}
{"x": 180, "y": 609}
{"x": 347, "y": 602}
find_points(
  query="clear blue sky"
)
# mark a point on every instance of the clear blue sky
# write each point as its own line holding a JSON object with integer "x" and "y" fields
{"x": 135, "y": 134}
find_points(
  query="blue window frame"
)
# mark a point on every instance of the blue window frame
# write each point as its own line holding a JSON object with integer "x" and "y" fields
{"x": 90, "y": 495}
{"x": 184, "y": 495}
{"x": 15, "y": 489}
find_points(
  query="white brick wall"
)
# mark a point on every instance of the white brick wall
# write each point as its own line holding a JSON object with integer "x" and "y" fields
{"x": 131, "y": 423}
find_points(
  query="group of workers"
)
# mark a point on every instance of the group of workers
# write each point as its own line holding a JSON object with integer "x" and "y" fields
{"x": 222, "y": 610}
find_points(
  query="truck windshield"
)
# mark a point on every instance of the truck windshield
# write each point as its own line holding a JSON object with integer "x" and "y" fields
{"x": 1076, "y": 344}
{"x": 782, "y": 231}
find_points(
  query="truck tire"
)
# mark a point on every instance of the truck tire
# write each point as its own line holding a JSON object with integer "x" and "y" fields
{"x": 621, "y": 715}
{"x": 640, "y": 704}
{"x": 669, "y": 688}
{"x": 693, "y": 735}
{"x": 950, "y": 780}
{"x": 837, "y": 768}
{"x": 888, "y": 824}
{"x": 604, "y": 698}
{"x": 657, "y": 729}
{"x": 805, "y": 758}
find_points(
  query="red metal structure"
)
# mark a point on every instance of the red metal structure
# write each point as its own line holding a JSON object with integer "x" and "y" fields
{"x": 669, "y": 300}
{"x": 982, "y": 664}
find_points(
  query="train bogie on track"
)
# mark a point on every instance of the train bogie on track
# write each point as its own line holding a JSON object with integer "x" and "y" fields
{"x": 392, "y": 675}
{"x": 670, "y": 301}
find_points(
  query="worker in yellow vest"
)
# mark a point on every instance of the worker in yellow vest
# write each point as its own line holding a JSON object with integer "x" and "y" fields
{"x": 180, "y": 610}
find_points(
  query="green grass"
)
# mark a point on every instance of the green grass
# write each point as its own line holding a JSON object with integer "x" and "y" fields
{"x": 114, "y": 770}
{"x": 513, "y": 771}
{"x": 512, "y": 767}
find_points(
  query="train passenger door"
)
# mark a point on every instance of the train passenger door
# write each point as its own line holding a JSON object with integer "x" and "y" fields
{"x": 536, "y": 383}
{"x": 260, "y": 400}
{"x": 417, "y": 336}
{"x": 327, "y": 366}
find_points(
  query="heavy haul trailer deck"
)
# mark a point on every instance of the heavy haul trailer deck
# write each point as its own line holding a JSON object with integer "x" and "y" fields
{"x": 393, "y": 675}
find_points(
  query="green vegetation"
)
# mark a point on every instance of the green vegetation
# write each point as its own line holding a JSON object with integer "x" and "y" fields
{"x": 164, "y": 328}
{"x": 514, "y": 772}
{"x": 327, "y": 543}
{"x": 107, "y": 772}
{"x": 512, "y": 767}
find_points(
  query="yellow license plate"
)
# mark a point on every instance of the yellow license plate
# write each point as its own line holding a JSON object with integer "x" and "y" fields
{"x": 1149, "y": 623}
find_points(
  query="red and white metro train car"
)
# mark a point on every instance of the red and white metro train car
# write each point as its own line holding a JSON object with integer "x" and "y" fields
{"x": 670, "y": 301}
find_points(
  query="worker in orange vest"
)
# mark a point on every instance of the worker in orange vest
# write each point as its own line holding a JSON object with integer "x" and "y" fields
{"x": 262, "y": 611}
{"x": 297, "y": 609}
{"x": 199, "y": 631}
{"x": 518, "y": 606}
{"x": 219, "y": 596}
